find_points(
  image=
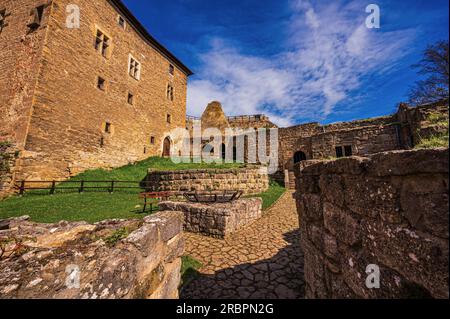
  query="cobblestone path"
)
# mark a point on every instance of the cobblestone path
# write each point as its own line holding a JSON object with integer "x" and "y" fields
{"x": 262, "y": 260}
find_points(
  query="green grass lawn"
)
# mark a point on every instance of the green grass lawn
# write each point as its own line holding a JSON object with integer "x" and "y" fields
{"x": 93, "y": 206}
{"x": 272, "y": 195}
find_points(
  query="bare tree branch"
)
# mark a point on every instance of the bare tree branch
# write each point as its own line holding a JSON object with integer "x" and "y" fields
{"x": 435, "y": 65}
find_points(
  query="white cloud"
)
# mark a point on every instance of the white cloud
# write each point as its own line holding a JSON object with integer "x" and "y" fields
{"x": 328, "y": 53}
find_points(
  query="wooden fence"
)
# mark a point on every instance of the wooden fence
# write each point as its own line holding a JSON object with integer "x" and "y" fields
{"x": 80, "y": 186}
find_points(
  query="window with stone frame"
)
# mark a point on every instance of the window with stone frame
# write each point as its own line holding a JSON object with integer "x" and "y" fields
{"x": 171, "y": 69}
{"x": 102, "y": 43}
{"x": 134, "y": 68}
{"x": 169, "y": 93}
{"x": 108, "y": 127}
{"x": 152, "y": 140}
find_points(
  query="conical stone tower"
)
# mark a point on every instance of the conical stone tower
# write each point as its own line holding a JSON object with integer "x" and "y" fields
{"x": 214, "y": 117}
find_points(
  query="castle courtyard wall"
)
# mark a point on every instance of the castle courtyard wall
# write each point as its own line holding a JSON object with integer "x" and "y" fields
{"x": 389, "y": 210}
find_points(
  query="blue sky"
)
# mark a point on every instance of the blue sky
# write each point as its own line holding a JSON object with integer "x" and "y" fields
{"x": 296, "y": 60}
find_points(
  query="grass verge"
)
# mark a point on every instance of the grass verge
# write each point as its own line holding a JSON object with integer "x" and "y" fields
{"x": 189, "y": 269}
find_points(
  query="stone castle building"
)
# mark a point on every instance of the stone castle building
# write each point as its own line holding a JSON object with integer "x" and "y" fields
{"x": 101, "y": 94}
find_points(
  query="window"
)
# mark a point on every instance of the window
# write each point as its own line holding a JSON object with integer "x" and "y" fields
{"x": 152, "y": 140}
{"x": 169, "y": 118}
{"x": 102, "y": 43}
{"x": 169, "y": 93}
{"x": 107, "y": 127}
{"x": 121, "y": 22}
{"x": 348, "y": 150}
{"x": 339, "y": 152}
{"x": 134, "y": 68}
{"x": 36, "y": 17}
{"x": 130, "y": 98}
{"x": 2, "y": 19}
{"x": 101, "y": 83}
{"x": 342, "y": 151}
{"x": 171, "y": 69}
{"x": 102, "y": 142}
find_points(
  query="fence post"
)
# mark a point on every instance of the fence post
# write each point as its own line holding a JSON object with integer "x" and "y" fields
{"x": 81, "y": 187}
{"x": 22, "y": 188}
{"x": 52, "y": 190}
{"x": 112, "y": 187}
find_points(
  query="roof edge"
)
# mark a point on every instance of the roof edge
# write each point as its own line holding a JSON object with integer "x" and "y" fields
{"x": 120, "y": 6}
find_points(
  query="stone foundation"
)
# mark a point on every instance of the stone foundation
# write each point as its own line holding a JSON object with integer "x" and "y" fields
{"x": 389, "y": 210}
{"x": 217, "y": 220}
{"x": 248, "y": 180}
{"x": 112, "y": 259}
{"x": 8, "y": 158}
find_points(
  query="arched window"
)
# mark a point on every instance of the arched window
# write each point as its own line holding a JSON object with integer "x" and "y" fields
{"x": 299, "y": 157}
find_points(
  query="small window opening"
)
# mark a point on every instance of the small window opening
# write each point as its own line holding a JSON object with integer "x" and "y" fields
{"x": 169, "y": 118}
{"x": 169, "y": 92}
{"x": 339, "y": 152}
{"x": 348, "y": 150}
{"x": 130, "y": 98}
{"x": 171, "y": 69}
{"x": 152, "y": 140}
{"x": 36, "y": 17}
{"x": 107, "y": 127}
{"x": 101, "y": 83}
{"x": 121, "y": 22}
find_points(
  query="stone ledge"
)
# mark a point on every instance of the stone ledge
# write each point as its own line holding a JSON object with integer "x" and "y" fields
{"x": 123, "y": 259}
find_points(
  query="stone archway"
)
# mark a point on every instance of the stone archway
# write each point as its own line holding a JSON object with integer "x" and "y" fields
{"x": 299, "y": 157}
{"x": 167, "y": 144}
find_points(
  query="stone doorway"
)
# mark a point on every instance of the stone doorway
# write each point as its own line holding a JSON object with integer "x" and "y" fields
{"x": 299, "y": 157}
{"x": 166, "y": 147}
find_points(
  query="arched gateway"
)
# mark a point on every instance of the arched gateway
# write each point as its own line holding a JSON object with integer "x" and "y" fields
{"x": 166, "y": 147}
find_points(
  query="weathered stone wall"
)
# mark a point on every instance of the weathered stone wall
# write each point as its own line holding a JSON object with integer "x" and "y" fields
{"x": 40, "y": 259}
{"x": 422, "y": 122}
{"x": 318, "y": 144}
{"x": 20, "y": 53}
{"x": 8, "y": 158}
{"x": 391, "y": 210}
{"x": 52, "y": 100}
{"x": 216, "y": 220}
{"x": 249, "y": 180}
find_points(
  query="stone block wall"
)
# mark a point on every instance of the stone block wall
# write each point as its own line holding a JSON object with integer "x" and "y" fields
{"x": 8, "y": 158}
{"x": 390, "y": 210}
{"x": 114, "y": 259}
{"x": 217, "y": 220}
{"x": 20, "y": 53}
{"x": 249, "y": 180}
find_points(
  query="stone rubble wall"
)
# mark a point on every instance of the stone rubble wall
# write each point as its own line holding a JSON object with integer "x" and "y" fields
{"x": 249, "y": 180}
{"x": 143, "y": 265}
{"x": 391, "y": 210}
{"x": 217, "y": 220}
{"x": 8, "y": 159}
